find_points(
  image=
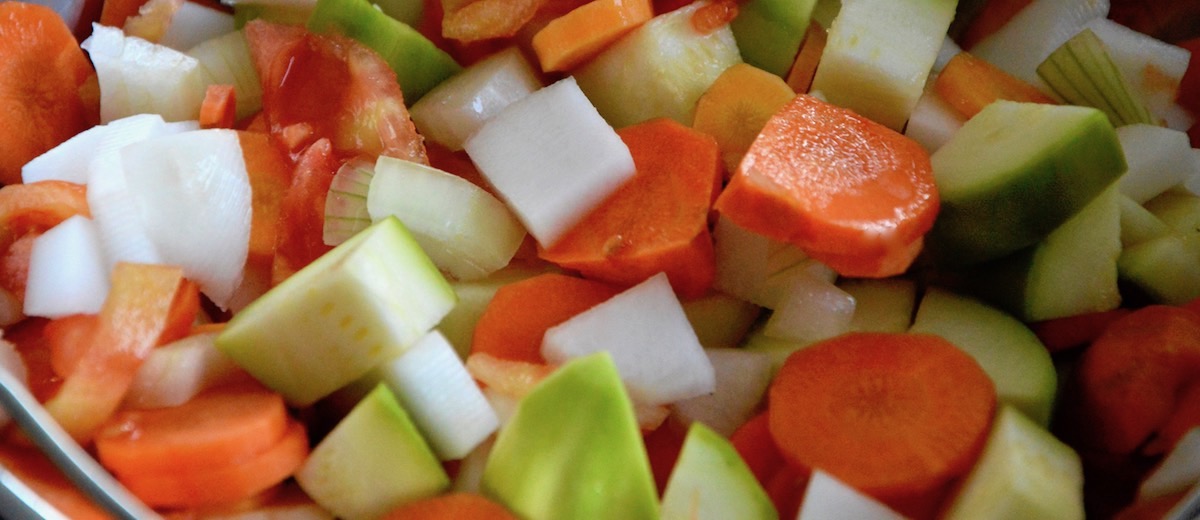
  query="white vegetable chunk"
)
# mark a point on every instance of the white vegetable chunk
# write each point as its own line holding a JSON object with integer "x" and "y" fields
{"x": 1153, "y": 68}
{"x": 432, "y": 384}
{"x": 137, "y": 77}
{"x": 193, "y": 23}
{"x": 742, "y": 377}
{"x": 1159, "y": 158}
{"x": 551, "y": 157}
{"x": 1034, "y": 32}
{"x": 63, "y": 162}
{"x": 811, "y": 309}
{"x": 178, "y": 371}
{"x": 1177, "y": 472}
{"x": 650, "y": 340}
{"x": 193, "y": 194}
{"x": 828, "y": 497}
{"x": 67, "y": 271}
{"x": 933, "y": 122}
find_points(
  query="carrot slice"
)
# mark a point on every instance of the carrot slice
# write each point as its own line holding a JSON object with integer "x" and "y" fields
{"x": 224, "y": 483}
{"x": 803, "y": 70}
{"x": 1066, "y": 333}
{"x": 568, "y": 41}
{"x": 658, "y": 220}
{"x": 133, "y": 320}
{"x": 736, "y": 107}
{"x": 225, "y": 425}
{"x": 968, "y": 84}
{"x": 219, "y": 108}
{"x": 1130, "y": 381}
{"x": 452, "y": 506}
{"x": 897, "y": 416}
{"x": 45, "y": 479}
{"x": 270, "y": 175}
{"x": 42, "y": 70}
{"x": 514, "y": 322}
{"x": 36, "y": 207}
{"x": 837, "y": 185}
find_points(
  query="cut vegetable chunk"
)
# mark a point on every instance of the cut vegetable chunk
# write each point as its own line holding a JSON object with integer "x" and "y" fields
{"x": 710, "y": 481}
{"x": 574, "y": 38}
{"x": 769, "y": 33}
{"x": 1082, "y": 73}
{"x": 848, "y": 404}
{"x": 968, "y": 84}
{"x": 655, "y": 222}
{"x": 67, "y": 271}
{"x": 138, "y": 77}
{"x": 827, "y": 497}
{"x": 327, "y": 325}
{"x": 363, "y": 484}
{"x": 649, "y": 338}
{"x": 848, "y": 191}
{"x": 1004, "y": 186}
{"x": 552, "y": 158}
{"x": 735, "y": 108}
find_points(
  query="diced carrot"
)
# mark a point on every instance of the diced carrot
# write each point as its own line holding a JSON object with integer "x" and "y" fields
{"x": 138, "y": 310}
{"x": 270, "y": 175}
{"x": 219, "y": 108}
{"x": 836, "y": 184}
{"x": 452, "y": 506}
{"x": 663, "y": 445}
{"x": 1129, "y": 382}
{"x": 896, "y": 416}
{"x": 968, "y": 84}
{"x": 1066, "y": 333}
{"x": 224, "y": 425}
{"x": 68, "y": 338}
{"x": 737, "y": 106}
{"x": 994, "y": 15}
{"x": 804, "y": 69}
{"x": 471, "y": 21}
{"x": 714, "y": 15}
{"x": 655, "y": 222}
{"x": 36, "y": 207}
{"x": 299, "y": 239}
{"x": 42, "y": 69}
{"x": 754, "y": 443}
{"x": 224, "y": 483}
{"x": 514, "y": 321}
{"x": 572, "y": 39}
{"x": 45, "y": 479}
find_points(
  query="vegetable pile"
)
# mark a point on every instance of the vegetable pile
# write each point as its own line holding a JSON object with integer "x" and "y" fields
{"x": 607, "y": 258}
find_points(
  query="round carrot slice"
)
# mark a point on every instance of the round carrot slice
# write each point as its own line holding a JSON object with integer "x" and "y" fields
{"x": 896, "y": 416}
{"x": 226, "y": 483}
{"x": 223, "y": 426}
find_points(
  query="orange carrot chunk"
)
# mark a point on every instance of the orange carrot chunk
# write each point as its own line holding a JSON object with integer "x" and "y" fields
{"x": 968, "y": 84}
{"x": 470, "y": 21}
{"x": 658, "y": 220}
{"x": 897, "y": 416}
{"x": 138, "y": 315}
{"x": 1130, "y": 381}
{"x": 36, "y": 207}
{"x": 42, "y": 70}
{"x": 222, "y": 426}
{"x": 219, "y": 108}
{"x": 735, "y": 108}
{"x": 568, "y": 41}
{"x": 225, "y": 483}
{"x": 452, "y": 506}
{"x": 803, "y": 70}
{"x": 848, "y": 191}
{"x": 517, "y": 317}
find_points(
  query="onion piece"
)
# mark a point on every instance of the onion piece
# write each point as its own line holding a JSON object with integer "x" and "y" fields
{"x": 346, "y": 202}
{"x": 67, "y": 271}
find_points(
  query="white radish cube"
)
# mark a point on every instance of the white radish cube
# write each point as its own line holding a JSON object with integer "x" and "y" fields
{"x": 67, "y": 271}
{"x": 1036, "y": 31}
{"x": 552, "y": 158}
{"x": 749, "y": 265}
{"x": 193, "y": 193}
{"x": 435, "y": 388}
{"x": 466, "y": 231}
{"x": 176, "y": 372}
{"x": 137, "y": 77}
{"x": 1159, "y": 158}
{"x": 877, "y": 65}
{"x": 933, "y": 122}
{"x": 193, "y": 23}
{"x": 1178, "y": 471}
{"x": 827, "y": 497}
{"x": 742, "y": 377}
{"x": 123, "y": 233}
{"x": 647, "y": 334}
{"x": 812, "y": 309}
{"x": 453, "y": 110}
